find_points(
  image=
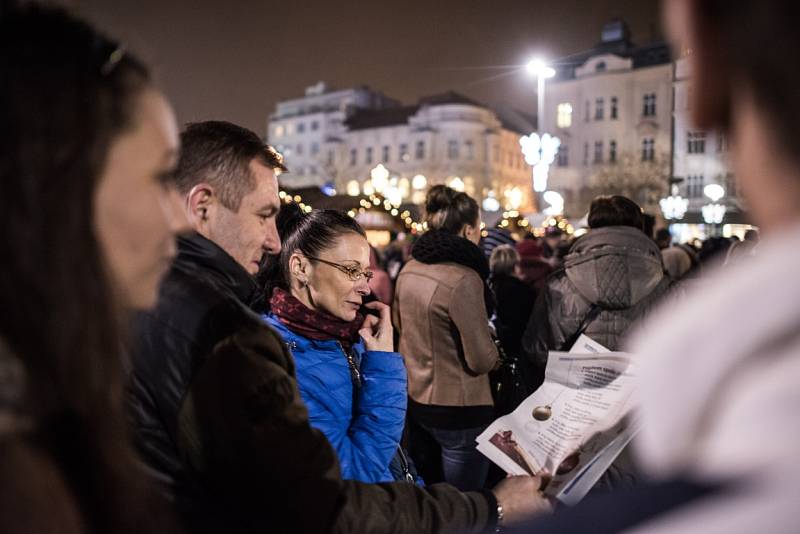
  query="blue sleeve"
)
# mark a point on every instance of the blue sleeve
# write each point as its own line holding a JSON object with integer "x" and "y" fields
{"x": 367, "y": 444}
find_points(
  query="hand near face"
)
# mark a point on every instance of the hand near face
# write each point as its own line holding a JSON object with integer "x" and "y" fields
{"x": 377, "y": 332}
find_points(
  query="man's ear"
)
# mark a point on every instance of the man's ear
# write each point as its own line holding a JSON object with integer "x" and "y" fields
{"x": 200, "y": 204}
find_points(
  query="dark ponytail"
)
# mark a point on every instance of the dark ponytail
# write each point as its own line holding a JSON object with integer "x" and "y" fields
{"x": 449, "y": 210}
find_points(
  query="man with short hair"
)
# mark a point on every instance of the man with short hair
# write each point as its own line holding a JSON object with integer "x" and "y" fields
{"x": 217, "y": 412}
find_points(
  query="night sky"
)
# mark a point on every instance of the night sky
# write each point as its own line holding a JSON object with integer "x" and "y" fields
{"x": 233, "y": 60}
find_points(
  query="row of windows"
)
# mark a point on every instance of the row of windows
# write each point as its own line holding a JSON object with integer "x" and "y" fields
{"x": 564, "y": 111}
{"x": 695, "y": 184}
{"x": 455, "y": 150}
{"x": 402, "y": 155}
{"x": 562, "y": 158}
{"x": 290, "y": 128}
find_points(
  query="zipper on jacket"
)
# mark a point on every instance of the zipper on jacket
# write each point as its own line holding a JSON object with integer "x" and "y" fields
{"x": 355, "y": 372}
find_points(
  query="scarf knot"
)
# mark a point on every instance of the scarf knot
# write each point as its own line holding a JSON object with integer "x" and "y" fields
{"x": 313, "y": 324}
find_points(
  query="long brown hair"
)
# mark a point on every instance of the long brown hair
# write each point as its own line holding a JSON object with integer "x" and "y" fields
{"x": 67, "y": 93}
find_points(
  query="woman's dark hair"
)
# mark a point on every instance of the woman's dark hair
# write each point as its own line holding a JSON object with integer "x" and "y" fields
{"x": 615, "y": 210}
{"x": 449, "y": 210}
{"x": 310, "y": 233}
{"x": 67, "y": 93}
{"x": 741, "y": 31}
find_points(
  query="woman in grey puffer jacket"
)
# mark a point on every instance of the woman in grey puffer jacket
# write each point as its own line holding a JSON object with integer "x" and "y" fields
{"x": 611, "y": 277}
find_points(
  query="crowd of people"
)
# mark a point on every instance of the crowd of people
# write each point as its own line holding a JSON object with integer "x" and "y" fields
{"x": 180, "y": 352}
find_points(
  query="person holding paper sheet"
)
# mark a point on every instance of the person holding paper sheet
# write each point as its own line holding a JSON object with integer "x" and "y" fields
{"x": 720, "y": 373}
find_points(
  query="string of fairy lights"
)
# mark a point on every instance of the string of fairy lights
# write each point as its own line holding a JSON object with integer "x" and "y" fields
{"x": 511, "y": 220}
{"x": 374, "y": 202}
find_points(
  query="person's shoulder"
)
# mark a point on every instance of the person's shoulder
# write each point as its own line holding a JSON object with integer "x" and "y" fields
{"x": 33, "y": 483}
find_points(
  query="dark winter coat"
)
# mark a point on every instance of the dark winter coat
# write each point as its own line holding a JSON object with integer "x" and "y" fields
{"x": 220, "y": 422}
{"x": 514, "y": 299}
{"x": 617, "y": 268}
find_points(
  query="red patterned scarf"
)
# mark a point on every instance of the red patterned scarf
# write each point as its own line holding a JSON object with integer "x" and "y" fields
{"x": 313, "y": 324}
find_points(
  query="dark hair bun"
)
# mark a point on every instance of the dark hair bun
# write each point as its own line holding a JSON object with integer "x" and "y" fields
{"x": 288, "y": 219}
{"x": 439, "y": 197}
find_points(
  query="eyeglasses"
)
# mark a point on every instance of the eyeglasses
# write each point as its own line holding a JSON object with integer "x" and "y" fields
{"x": 353, "y": 273}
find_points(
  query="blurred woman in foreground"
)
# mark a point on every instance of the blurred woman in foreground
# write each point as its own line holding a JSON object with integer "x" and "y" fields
{"x": 84, "y": 141}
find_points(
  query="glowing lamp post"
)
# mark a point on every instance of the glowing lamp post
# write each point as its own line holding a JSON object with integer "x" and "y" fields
{"x": 380, "y": 177}
{"x": 714, "y": 212}
{"x": 674, "y": 206}
{"x": 540, "y": 152}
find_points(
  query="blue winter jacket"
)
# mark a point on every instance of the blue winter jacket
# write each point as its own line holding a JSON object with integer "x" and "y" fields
{"x": 364, "y": 426}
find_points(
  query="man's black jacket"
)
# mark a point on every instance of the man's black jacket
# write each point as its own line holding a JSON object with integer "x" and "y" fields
{"x": 220, "y": 422}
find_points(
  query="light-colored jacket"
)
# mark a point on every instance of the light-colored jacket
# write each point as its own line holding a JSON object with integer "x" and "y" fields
{"x": 440, "y": 315}
{"x": 720, "y": 394}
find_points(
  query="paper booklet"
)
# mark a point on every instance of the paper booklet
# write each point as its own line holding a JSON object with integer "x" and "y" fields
{"x": 574, "y": 425}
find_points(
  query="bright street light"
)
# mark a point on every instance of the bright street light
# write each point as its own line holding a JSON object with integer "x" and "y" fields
{"x": 714, "y": 192}
{"x": 537, "y": 67}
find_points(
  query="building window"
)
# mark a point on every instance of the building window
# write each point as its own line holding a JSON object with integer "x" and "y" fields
{"x": 314, "y": 126}
{"x": 497, "y": 154}
{"x": 385, "y": 153}
{"x": 586, "y": 153}
{"x": 278, "y": 131}
{"x": 330, "y": 157}
{"x": 598, "y": 109}
{"x": 648, "y": 149}
{"x": 368, "y": 156}
{"x": 696, "y": 142}
{"x": 289, "y": 129}
{"x": 301, "y": 127}
{"x": 404, "y": 155}
{"x": 312, "y": 169}
{"x": 588, "y": 111}
{"x": 613, "y": 108}
{"x": 563, "y": 156}
{"x": 612, "y": 152}
{"x": 649, "y": 106}
{"x": 353, "y": 156}
{"x": 600, "y": 66}
{"x": 564, "y": 115}
{"x": 722, "y": 143}
{"x": 299, "y": 149}
{"x": 694, "y": 185}
{"x": 470, "y": 149}
{"x": 419, "y": 153}
{"x": 730, "y": 185}
{"x": 598, "y": 152}
{"x": 452, "y": 149}
{"x": 314, "y": 149}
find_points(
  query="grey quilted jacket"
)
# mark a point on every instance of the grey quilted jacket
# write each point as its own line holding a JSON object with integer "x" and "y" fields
{"x": 617, "y": 268}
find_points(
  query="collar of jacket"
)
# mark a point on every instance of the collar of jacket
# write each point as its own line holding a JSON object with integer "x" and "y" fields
{"x": 299, "y": 343}
{"x": 438, "y": 246}
{"x": 614, "y": 236}
{"x": 200, "y": 255}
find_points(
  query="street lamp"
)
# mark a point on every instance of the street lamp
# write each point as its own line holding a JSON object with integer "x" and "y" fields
{"x": 714, "y": 212}
{"x": 674, "y": 206}
{"x": 540, "y": 148}
{"x": 537, "y": 67}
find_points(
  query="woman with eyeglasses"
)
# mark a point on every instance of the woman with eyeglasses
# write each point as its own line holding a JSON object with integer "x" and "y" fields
{"x": 351, "y": 380}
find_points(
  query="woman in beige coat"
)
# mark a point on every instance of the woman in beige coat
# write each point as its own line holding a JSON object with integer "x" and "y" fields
{"x": 441, "y": 313}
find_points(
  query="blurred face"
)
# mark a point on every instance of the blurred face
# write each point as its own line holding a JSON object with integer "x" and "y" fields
{"x": 136, "y": 217}
{"x": 249, "y": 232}
{"x": 473, "y": 232}
{"x": 329, "y": 289}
